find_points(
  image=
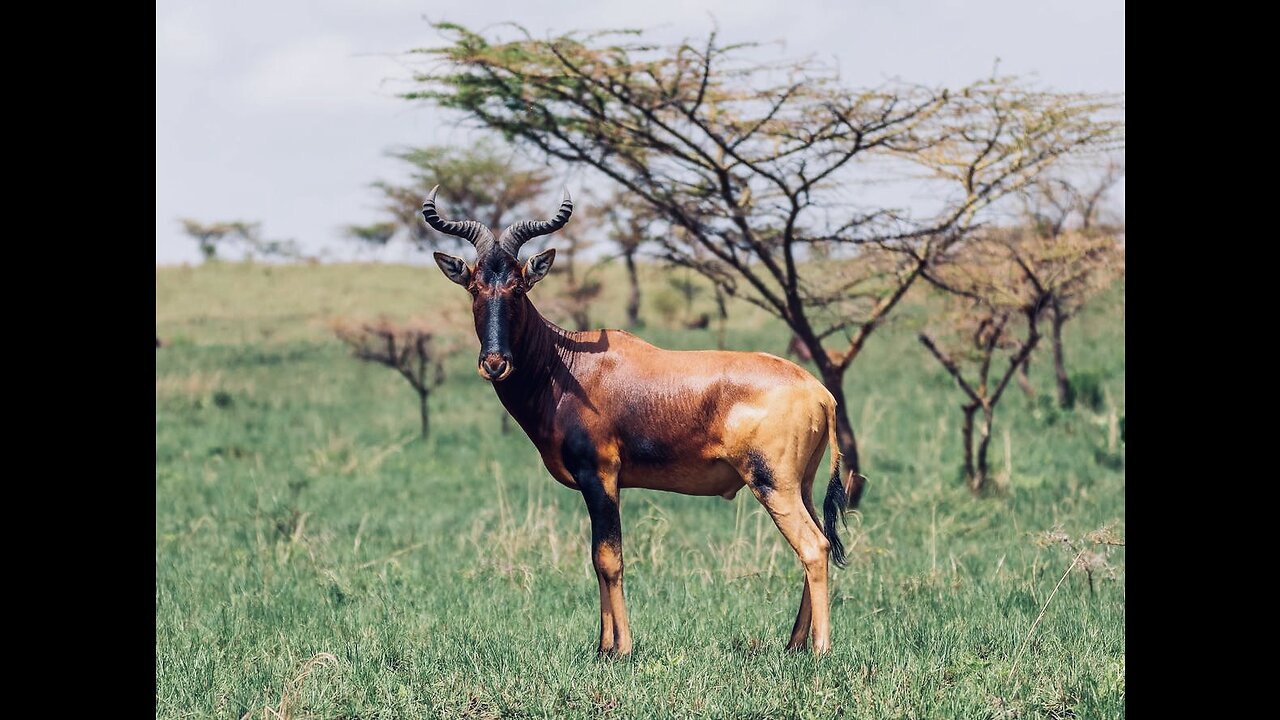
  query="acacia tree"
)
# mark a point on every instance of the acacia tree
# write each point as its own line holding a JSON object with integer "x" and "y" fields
{"x": 487, "y": 183}
{"x": 1054, "y": 204}
{"x": 751, "y": 162}
{"x": 209, "y": 235}
{"x": 373, "y": 235}
{"x": 1077, "y": 255}
{"x": 483, "y": 181}
{"x": 989, "y": 331}
{"x": 416, "y": 350}
{"x": 247, "y": 235}
{"x": 993, "y": 303}
{"x": 1070, "y": 269}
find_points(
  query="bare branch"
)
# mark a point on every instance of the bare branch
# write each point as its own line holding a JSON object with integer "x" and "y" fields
{"x": 951, "y": 367}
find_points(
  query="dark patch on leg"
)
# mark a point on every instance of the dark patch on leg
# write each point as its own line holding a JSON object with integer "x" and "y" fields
{"x": 578, "y": 453}
{"x": 606, "y": 525}
{"x": 761, "y": 475}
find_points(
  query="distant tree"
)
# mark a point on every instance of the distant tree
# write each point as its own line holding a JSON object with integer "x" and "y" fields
{"x": 1074, "y": 268}
{"x": 689, "y": 290}
{"x": 630, "y": 227}
{"x": 483, "y": 182}
{"x": 416, "y": 350}
{"x": 989, "y": 331}
{"x": 576, "y": 299}
{"x": 576, "y": 241}
{"x": 246, "y": 235}
{"x": 1001, "y": 282}
{"x": 1076, "y": 254}
{"x": 992, "y": 306}
{"x": 749, "y": 165}
{"x": 209, "y": 236}
{"x": 1055, "y": 204}
{"x": 284, "y": 249}
{"x": 569, "y": 301}
{"x": 722, "y": 314}
{"x": 375, "y": 235}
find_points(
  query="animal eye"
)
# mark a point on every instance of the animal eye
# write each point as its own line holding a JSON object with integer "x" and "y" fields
{"x": 473, "y": 290}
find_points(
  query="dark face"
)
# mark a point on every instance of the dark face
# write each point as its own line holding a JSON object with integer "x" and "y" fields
{"x": 497, "y": 285}
{"x": 497, "y": 300}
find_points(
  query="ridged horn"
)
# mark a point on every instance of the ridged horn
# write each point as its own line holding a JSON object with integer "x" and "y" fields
{"x": 469, "y": 230}
{"x": 520, "y": 233}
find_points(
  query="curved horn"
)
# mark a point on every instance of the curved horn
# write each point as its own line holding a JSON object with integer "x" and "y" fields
{"x": 520, "y": 233}
{"x": 469, "y": 230}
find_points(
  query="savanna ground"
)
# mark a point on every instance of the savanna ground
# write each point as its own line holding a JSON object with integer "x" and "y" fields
{"x": 314, "y": 558}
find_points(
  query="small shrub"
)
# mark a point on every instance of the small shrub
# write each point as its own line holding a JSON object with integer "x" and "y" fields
{"x": 1086, "y": 390}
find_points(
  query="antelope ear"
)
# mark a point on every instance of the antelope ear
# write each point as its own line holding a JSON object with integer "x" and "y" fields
{"x": 454, "y": 268}
{"x": 538, "y": 266}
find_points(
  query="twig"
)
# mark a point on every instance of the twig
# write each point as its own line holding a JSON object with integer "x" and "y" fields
{"x": 392, "y": 556}
{"x": 1018, "y": 655}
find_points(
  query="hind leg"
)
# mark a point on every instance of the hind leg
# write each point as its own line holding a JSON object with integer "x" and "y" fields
{"x": 804, "y": 617}
{"x": 800, "y": 630}
{"x": 791, "y": 517}
{"x": 785, "y": 503}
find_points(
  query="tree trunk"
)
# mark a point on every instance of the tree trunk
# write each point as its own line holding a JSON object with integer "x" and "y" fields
{"x": 1065, "y": 397}
{"x": 1024, "y": 380}
{"x": 833, "y": 380}
{"x": 424, "y": 412}
{"x": 723, "y": 321}
{"x": 984, "y": 443}
{"x": 633, "y": 298}
{"x": 970, "y": 472}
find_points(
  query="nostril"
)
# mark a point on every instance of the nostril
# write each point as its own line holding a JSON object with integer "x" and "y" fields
{"x": 494, "y": 365}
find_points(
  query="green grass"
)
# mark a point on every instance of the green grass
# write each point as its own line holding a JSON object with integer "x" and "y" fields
{"x": 298, "y": 514}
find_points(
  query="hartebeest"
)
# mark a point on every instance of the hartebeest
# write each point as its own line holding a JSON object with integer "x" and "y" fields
{"x": 609, "y": 411}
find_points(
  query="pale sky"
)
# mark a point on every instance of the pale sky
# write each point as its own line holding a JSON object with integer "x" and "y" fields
{"x": 281, "y": 111}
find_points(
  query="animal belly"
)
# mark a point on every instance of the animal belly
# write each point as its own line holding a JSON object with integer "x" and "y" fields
{"x": 710, "y": 477}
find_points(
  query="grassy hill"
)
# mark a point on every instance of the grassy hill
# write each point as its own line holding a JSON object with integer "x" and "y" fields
{"x": 314, "y": 558}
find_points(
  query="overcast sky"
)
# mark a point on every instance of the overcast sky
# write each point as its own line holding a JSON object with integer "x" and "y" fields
{"x": 281, "y": 111}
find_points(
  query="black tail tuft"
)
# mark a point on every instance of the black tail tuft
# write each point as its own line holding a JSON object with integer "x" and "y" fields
{"x": 832, "y": 508}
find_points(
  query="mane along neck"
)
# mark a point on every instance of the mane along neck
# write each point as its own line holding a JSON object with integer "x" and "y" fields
{"x": 544, "y": 355}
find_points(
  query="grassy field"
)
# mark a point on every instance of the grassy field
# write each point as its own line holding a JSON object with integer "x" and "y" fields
{"x": 314, "y": 558}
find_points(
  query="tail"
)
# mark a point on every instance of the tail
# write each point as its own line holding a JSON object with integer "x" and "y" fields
{"x": 836, "y": 499}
